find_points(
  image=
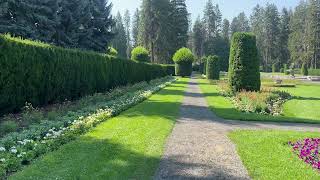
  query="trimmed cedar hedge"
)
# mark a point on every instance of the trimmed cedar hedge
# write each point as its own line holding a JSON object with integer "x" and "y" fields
{"x": 244, "y": 63}
{"x": 314, "y": 72}
{"x": 41, "y": 74}
{"x": 213, "y": 68}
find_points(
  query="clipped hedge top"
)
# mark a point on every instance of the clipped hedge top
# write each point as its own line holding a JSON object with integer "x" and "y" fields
{"x": 183, "y": 55}
{"x": 140, "y": 54}
{"x": 239, "y": 36}
{"x": 212, "y": 58}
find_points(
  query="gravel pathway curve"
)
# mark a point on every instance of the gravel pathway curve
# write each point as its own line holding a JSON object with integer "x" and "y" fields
{"x": 199, "y": 148}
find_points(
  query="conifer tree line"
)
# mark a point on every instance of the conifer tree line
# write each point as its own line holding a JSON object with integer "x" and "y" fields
{"x": 287, "y": 37}
{"x": 83, "y": 24}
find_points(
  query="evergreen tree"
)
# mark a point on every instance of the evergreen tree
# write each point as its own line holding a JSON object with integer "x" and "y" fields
{"x": 180, "y": 24}
{"x": 313, "y": 33}
{"x": 135, "y": 27}
{"x": 284, "y": 55}
{"x": 127, "y": 22}
{"x": 120, "y": 40}
{"x": 198, "y": 38}
{"x": 210, "y": 19}
{"x": 218, "y": 23}
{"x": 240, "y": 24}
{"x": 226, "y": 30}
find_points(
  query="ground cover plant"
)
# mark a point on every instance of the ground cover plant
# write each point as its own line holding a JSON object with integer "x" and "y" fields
{"x": 21, "y": 148}
{"x": 304, "y": 96}
{"x": 267, "y": 155}
{"x": 128, "y": 146}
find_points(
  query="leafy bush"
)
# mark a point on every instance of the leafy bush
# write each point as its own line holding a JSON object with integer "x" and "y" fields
{"x": 112, "y": 52}
{"x": 7, "y": 127}
{"x": 42, "y": 74}
{"x": 213, "y": 67}
{"x": 140, "y": 54}
{"x": 314, "y": 72}
{"x": 244, "y": 63}
{"x": 183, "y": 59}
{"x": 304, "y": 69}
{"x": 285, "y": 69}
{"x": 204, "y": 62}
{"x": 281, "y": 70}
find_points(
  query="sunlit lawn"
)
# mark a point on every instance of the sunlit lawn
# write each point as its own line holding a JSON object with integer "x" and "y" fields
{"x": 126, "y": 147}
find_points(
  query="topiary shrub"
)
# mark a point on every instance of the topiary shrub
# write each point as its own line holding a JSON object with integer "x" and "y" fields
{"x": 213, "y": 68}
{"x": 112, "y": 52}
{"x": 285, "y": 69}
{"x": 304, "y": 69}
{"x": 204, "y": 65}
{"x": 183, "y": 59}
{"x": 274, "y": 68}
{"x": 244, "y": 63}
{"x": 140, "y": 54}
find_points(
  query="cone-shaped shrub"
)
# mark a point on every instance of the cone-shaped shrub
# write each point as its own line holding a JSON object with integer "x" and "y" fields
{"x": 140, "y": 54}
{"x": 213, "y": 68}
{"x": 183, "y": 59}
{"x": 41, "y": 74}
{"x": 244, "y": 63}
{"x": 204, "y": 61}
{"x": 304, "y": 69}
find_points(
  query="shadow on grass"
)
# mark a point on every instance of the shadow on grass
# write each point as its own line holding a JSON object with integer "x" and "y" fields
{"x": 306, "y": 98}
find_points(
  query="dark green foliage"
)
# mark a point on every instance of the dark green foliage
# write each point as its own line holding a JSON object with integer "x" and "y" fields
{"x": 314, "y": 72}
{"x": 281, "y": 70}
{"x": 285, "y": 69}
{"x": 140, "y": 54}
{"x": 204, "y": 65}
{"x": 7, "y": 127}
{"x": 213, "y": 68}
{"x": 244, "y": 63}
{"x": 220, "y": 47}
{"x": 304, "y": 69}
{"x": 183, "y": 59}
{"x": 274, "y": 68}
{"x": 41, "y": 74}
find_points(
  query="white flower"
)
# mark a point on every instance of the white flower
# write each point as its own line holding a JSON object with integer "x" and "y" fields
{"x": 19, "y": 156}
{"x": 2, "y": 149}
{"x": 3, "y": 160}
{"x": 13, "y": 150}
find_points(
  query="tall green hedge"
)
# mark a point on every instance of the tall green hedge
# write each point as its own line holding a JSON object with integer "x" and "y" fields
{"x": 304, "y": 69}
{"x": 244, "y": 63}
{"x": 213, "y": 67}
{"x": 41, "y": 74}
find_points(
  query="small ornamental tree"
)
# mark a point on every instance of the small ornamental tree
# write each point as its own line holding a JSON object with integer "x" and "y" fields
{"x": 304, "y": 69}
{"x": 244, "y": 63}
{"x": 183, "y": 59}
{"x": 140, "y": 54}
{"x": 213, "y": 68}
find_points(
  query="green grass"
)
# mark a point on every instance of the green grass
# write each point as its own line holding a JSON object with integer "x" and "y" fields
{"x": 304, "y": 107}
{"x": 267, "y": 155}
{"x": 125, "y": 147}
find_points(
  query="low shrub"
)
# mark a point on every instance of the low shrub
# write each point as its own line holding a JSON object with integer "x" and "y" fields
{"x": 213, "y": 68}
{"x": 8, "y": 126}
{"x": 281, "y": 70}
{"x": 204, "y": 65}
{"x": 274, "y": 68}
{"x": 285, "y": 69}
{"x": 314, "y": 72}
{"x": 140, "y": 54}
{"x": 304, "y": 69}
{"x": 183, "y": 59}
{"x": 42, "y": 74}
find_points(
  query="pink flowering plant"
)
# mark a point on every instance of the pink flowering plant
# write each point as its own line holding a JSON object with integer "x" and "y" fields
{"x": 308, "y": 151}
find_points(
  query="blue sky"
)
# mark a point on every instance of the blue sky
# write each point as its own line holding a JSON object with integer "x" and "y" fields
{"x": 229, "y": 8}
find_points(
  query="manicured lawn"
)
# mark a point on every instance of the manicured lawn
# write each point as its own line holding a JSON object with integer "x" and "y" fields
{"x": 128, "y": 146}
{"x": 302, "y": 108}
{"x": 267, "y": 155}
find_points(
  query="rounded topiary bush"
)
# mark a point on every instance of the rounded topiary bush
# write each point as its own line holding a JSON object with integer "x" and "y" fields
{"x": 304, "y": 69}
{"x": 213, "y": 68}
{"x": 244, "y": 63}
{"x": 112, "y": 52}
{"x": 140, "y": 54}
{"x": 183, "y": 59}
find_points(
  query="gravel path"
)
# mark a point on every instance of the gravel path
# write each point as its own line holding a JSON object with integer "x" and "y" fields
{"x": 199, "y": 148}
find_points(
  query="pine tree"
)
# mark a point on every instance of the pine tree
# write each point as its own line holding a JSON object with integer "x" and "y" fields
{"x": 198, "y": 38}
{"x": 135, "y": 27}
{"x": 210, "y": 19}
{"x": 284, "y": 55}
{"x": 226, "y": 30}
{"x": 240, "y": 24}
{"x": 218, "y": 20}
{"x": 120, "y": 40}
{"x": 313, "y": 33}
{"x": 127, "y": 22}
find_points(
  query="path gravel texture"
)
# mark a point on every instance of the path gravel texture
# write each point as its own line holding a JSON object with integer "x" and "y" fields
{"x": 199, "y": 148}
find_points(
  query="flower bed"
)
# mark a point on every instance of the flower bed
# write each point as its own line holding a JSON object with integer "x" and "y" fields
{"x": 267, "y": 101}
{"x": 18, "y": 149}
{"x": 308, "y": 151}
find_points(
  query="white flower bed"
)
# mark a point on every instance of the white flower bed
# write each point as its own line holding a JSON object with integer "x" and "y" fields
{"x": 15, "y": 151}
